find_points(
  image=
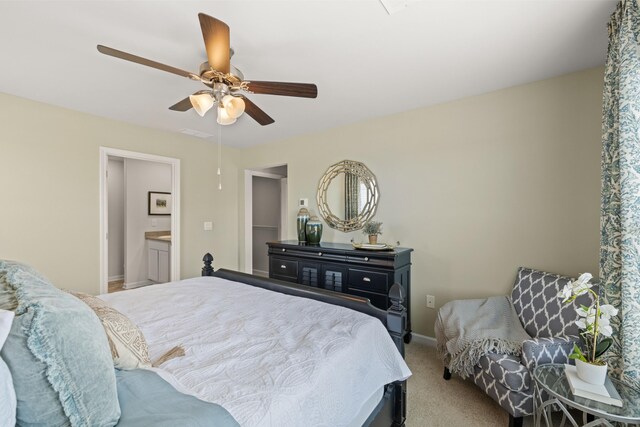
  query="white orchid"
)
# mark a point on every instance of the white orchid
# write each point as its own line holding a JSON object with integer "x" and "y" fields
{"x": 566, "y": 293}
{"x": 592, "y": 320}
{"x": 578, "y": 287}
{"x": 607, "y": 310}
{"x": 581, "y": 288}
{"x": 606, "y": 331}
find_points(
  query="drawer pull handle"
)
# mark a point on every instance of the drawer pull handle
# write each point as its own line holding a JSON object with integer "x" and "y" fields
{"x": 366, "y": 258}
{"x": 284, "y": 250}
{"x": 366, "y": 279}
{"x": 283, "y": 266}
{"x": 319, "y": 253}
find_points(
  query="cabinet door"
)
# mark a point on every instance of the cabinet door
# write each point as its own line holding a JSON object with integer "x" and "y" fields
{"x": 309, "y": 274}
{"x": 163, "y": 266}
{"x": 153, "y": 264}
{"x": 334, "y": 277}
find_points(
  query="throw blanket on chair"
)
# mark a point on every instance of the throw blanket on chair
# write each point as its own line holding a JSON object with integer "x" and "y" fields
{"x": 475, "y": 327}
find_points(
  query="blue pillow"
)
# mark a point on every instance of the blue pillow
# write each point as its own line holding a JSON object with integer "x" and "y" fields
{"x": 58, "y": 355}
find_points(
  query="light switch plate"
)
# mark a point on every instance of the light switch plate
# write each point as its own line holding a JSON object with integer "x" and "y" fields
{"x": 154, "y": 222}
{"x": 208, "y": 226}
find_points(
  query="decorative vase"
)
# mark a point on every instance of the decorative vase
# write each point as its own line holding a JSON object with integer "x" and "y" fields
{"x": 373, "y": 239}
{"x": 301, "y": 221}
{"x": 314, "y": 230}
{"x": 593, "y": 374}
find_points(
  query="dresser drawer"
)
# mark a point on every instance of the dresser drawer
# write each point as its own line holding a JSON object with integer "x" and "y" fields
{"x": 368, "y": 280}
{"x": 283, "y": 268}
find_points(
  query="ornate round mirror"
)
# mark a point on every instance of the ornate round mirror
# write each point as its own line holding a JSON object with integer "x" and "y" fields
{"x": 347, "y": 195}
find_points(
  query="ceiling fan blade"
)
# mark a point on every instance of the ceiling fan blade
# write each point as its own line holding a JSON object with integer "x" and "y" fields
{"x": 216, "y": 41}
{"x": 184, "y": 105}
{"x": 149, "y": 63}
{"x": 303, "y": 90}
{"x": 256, "y": 113}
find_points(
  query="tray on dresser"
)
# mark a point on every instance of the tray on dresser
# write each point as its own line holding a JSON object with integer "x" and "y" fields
{"x": 373, "y": 247}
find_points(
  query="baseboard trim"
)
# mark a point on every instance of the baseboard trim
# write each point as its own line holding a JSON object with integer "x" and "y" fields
{"x": 260, "y": 273}
{"x": 423, "y": 339}
{"x": 114, "y": 278}
{"x": 134, "y": 285}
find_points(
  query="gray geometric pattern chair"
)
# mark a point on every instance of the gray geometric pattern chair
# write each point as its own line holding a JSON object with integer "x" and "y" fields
{"x": 549, "y": 323}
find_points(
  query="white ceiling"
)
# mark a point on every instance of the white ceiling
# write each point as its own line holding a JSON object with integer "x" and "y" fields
{"x": 365, "y": 62}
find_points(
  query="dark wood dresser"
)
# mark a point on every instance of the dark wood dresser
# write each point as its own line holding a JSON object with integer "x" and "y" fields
{"x": 339, "y": 267}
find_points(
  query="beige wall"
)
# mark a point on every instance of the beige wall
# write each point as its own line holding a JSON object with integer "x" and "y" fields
{"x": 49, "y": 209}
{"x": 477, "y": 187}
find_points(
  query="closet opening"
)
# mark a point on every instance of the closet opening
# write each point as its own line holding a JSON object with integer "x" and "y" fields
{"x": 265, "y": 215}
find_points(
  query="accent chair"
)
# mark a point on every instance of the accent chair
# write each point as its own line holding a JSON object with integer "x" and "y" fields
{"x": 551, "y": 325}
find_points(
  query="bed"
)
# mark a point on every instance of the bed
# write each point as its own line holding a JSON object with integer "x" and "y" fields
{"x": 263, "y": 353}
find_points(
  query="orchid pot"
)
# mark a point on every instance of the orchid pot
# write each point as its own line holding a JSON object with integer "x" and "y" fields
{"x": 591, "y": 373}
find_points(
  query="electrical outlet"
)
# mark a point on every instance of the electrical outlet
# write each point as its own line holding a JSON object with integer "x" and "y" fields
{"x": 431, "y": 301}
{"x": 208, "y": 225}
{"x": 303, "y": 203}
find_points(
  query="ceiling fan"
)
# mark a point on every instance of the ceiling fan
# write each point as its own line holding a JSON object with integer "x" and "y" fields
{"x": 226, "y": 83}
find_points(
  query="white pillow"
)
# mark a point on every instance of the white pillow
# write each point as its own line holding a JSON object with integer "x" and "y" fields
{"x": 8, "y": 393}
{"x": 6, "y": 319}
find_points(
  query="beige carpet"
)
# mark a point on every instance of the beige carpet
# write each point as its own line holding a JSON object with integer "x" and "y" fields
{"x": 432, "y": 401}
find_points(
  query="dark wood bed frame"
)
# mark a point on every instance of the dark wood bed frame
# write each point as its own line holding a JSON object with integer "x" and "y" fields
{"x": 392, "y": 409}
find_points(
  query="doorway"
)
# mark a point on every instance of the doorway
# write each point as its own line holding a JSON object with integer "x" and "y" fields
{"x": 139, "y": 217}
{"x": 265, "y": 215}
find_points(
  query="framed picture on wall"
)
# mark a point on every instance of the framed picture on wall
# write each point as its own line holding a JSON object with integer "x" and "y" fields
{"x": 159, "y": 203}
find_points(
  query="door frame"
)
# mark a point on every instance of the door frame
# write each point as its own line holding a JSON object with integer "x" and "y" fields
{"x": 248, "y": 210}
{"x": 105, "y": 152}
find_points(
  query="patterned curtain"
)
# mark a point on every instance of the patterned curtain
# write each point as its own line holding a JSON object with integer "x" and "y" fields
{"x": 620, "y": 204}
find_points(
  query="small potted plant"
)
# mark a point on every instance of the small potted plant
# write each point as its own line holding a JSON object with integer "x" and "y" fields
{"x": 595, "y": 330}
{"x": 372, "y": 229}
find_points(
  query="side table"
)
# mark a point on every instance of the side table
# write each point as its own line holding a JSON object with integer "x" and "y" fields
{"x": 552, "y": 393}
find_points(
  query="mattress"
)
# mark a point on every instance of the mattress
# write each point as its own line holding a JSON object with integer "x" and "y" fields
{"x": 269, "y": 359}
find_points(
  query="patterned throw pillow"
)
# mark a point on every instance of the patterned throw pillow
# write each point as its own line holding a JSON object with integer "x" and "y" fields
{"x": 128, "y": 347}
{"x": 8, "y": 299}
{"x": 542, "y": 313}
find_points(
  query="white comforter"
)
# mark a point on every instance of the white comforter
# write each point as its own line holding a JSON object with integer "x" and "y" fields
{"x": 270, "y": 359}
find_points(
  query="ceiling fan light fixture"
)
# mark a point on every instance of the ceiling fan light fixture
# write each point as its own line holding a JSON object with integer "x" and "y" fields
{"x": 201, "y": 102}
{"x": 233, "y": 105}
{"x": 224, "y": 118}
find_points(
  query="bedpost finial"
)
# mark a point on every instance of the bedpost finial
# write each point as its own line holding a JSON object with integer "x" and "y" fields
{"x": 207, "y": 270}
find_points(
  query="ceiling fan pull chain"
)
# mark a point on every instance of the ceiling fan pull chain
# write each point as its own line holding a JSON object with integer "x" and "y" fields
{"x": 219, "y": 157}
